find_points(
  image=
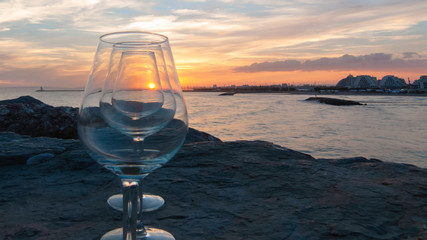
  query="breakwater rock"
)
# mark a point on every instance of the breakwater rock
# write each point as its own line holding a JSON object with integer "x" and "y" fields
{"x": 334, "y": 101}
{"x": 213, "y": 190}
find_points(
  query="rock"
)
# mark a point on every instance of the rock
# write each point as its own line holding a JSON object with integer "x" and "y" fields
{"x": 227, "y": 94}
{"x": 29, "y": 116}
{"x": 199, "y": 136}
{"x": 217, "y": 190}
{"x": 334, "y": 101}
{"x": 22, "y": 100}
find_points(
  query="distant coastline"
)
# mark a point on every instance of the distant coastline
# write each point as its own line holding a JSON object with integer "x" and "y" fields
{"x": 60, "y": 90}
{"x": 308, "y": 92}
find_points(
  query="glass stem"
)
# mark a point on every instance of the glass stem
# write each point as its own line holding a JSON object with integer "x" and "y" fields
{"x": 130, "y": 208}
{"x": 140, "y": 229}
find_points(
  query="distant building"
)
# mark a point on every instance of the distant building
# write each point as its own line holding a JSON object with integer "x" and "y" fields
{"x": 305, "y": 88}
{"x": 421, "y": 83}
{"x": 244, "y": 86}
{"x": 362, "y": 81}
{"x": 346, "y": 82}
{"x": 365, "y": 81}
{"x": 392, "y": 82}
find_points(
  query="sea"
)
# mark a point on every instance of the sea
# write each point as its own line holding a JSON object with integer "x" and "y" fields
{"x": 389, "y": 127}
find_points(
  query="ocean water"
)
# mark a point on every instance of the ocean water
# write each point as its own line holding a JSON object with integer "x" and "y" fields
{"x": 390, "y": 127}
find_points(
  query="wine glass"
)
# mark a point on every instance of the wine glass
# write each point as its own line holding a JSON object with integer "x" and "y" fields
{"x": 125, "y": 121}
{"x": 99, "y": 72}
{"x": 150, "y": 202}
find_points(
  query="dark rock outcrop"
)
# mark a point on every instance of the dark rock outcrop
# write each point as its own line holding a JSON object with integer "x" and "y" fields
{"x": 199, "y": 136}
{"x": 29, "y": 116}
{"x": 214, "y": 190}
{"x": 334, "y": 101}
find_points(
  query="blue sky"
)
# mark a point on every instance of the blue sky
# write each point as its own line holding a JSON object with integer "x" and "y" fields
{"x": 51, "y": 43}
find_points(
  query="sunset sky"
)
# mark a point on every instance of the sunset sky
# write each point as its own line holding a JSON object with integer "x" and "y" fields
{"x": 52, "y": 42}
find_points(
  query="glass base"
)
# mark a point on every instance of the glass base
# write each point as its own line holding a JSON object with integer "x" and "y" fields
{"x": 150, "y": 202}
{"x": 152, "y": 234}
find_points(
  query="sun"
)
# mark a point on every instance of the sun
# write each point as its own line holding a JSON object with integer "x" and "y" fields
{"x": 151, "y": 85}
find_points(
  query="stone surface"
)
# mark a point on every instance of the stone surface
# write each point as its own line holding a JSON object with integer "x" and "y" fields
{"x": 334, "y": 101}
{"x": 17, "y": 149}
{"x": 214, "y": 190}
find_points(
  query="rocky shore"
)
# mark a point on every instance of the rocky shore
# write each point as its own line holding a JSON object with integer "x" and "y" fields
{"x": 51, "y": 189}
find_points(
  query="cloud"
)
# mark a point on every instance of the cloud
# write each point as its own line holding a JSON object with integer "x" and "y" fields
{"x": 37, "y": 11}
{"x": 410, "y": 55}
{"x": 52, "y": 66}
{"x": 194, "y": 0}
{"x": 2, "y": 82}
{"x": 57, "y": 35}
{"x": 375, "y": 61}
{"x": 55, "y": 76}
{"x": 188, "y": 12}
{"x": 258, "y": 34}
